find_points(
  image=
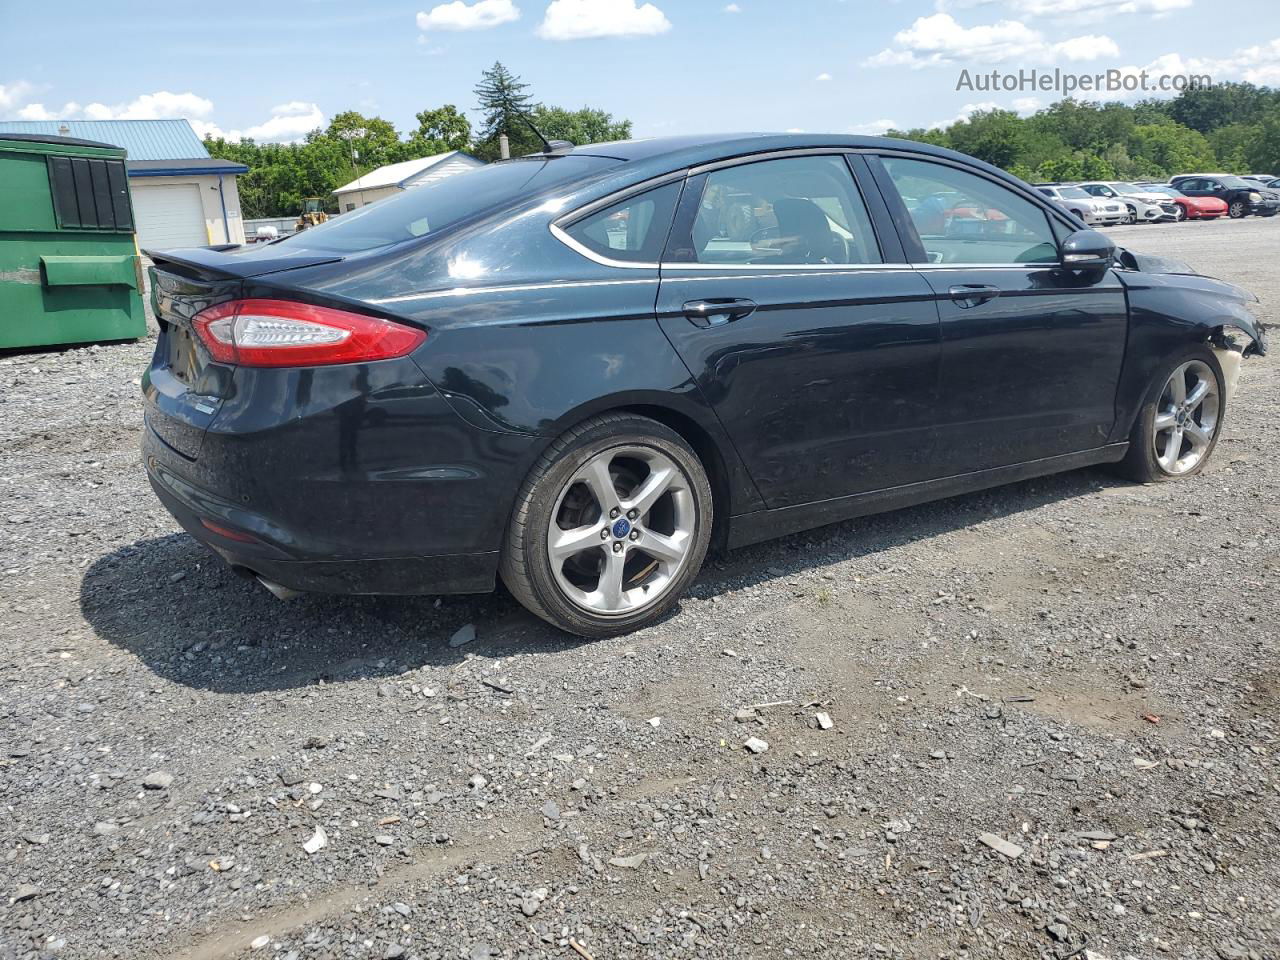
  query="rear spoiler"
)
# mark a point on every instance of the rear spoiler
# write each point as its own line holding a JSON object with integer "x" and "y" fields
{"x": 232, "y": 261}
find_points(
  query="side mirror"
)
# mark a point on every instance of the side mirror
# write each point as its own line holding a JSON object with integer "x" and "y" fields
{"x": 1088, "y": 250}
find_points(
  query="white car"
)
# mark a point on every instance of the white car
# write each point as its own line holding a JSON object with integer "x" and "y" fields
{"x": 1144, "y": 206}
{"x": 1095, "y": 211}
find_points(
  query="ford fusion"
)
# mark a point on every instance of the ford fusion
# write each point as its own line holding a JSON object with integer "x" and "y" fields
{"x": 578, "y": 371}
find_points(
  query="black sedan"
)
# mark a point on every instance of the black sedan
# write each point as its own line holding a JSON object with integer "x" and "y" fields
{"x": 581, "y": 369}
{"x": 1242, "y": 197}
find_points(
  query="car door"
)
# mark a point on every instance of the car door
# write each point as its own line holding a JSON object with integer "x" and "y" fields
{"x": 1031, "y": 351}
{"x": 816, "y": 344}
{"x": 1196, "y": 187}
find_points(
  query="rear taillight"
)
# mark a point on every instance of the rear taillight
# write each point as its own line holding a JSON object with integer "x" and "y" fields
{"x": 280, "y": 333}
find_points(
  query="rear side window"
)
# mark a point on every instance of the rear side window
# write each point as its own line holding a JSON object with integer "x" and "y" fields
{"x": 90, "y": 194}
{"x": 792, "y": 210}
{"x": 633, "y": 229}
{"x": 963, "y": 218}
{"x": 432, "y": 207}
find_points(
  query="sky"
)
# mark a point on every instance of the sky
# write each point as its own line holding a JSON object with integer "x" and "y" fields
{"x": 277, "y": 69}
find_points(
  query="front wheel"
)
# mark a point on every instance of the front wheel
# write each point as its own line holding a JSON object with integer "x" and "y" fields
{"x": 1178, "y": 426}
{"x": 1236, "y": 209}
{"x": 610, "y": 528}
{"x": 1181, "y": 214}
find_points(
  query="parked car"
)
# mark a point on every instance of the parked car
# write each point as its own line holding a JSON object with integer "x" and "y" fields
{"x": 492, "y": 376}
{"x": 1242, "y": 197}
{"x": 1095, "y": 211}
{"x": 1143, "y": 206}
{"x": 1189, "y": 208}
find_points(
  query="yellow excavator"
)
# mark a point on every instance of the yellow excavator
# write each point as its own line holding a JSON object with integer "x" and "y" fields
{"x": 312, "y": 214}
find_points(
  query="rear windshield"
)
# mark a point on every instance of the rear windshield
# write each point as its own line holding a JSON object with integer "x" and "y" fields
{"x": 426, "y": 209}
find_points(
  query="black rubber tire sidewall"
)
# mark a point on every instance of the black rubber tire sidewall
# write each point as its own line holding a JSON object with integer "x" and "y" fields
{"x": 525, "y": 566}
{"x": 1236, "y": 210}
{"x": 1140, "y": 462}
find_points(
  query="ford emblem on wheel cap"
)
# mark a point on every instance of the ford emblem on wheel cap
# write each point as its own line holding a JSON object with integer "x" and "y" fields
{"x": 622, "y": 527}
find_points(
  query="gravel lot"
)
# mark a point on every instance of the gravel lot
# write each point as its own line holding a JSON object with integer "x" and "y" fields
{"x": 1079, "y": 667}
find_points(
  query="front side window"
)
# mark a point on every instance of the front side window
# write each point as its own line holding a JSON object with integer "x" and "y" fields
{"x": 633, "y": 229}
{"x": 963, "y": 218}
{"x": 788, "y": 211}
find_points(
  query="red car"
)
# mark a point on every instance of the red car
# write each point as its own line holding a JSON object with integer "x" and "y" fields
{"x": 1190, "y": 208}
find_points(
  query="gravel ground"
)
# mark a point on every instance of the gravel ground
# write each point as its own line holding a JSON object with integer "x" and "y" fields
{"x": 1034, "y": 722}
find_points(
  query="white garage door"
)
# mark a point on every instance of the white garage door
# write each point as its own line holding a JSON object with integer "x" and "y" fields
{"x": 168, "y": 215}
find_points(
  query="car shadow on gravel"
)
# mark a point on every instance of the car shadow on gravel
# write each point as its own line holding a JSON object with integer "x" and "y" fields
{"x": 179, "y": 609}
{"x": 190, "y": 619}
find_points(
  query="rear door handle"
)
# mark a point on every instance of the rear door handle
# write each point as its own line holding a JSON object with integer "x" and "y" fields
{"x": 717, "y": 311}
{"x": 973, "y": 294}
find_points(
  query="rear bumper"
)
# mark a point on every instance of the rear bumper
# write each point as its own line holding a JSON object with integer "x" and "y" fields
{"x": 346, "y": 479}
{"x": 190, "y": 505}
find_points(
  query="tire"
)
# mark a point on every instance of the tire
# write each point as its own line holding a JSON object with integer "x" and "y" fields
{"x": 598, "y": 586}
{"x": 1181, "y": 214}
{"x": 1236, "y": 209}
{"x": 1143, "y": 462}
{"x": 1131, "y": 217}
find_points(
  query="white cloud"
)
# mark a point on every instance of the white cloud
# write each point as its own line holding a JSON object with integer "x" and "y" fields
{"x": 965, "y": 112}
{"x": 823, "y": 76}
{"x": 36, "y": 111}
{"x": 579, "y": 19}
{"x": 1026, "y": 105}
{"x": 874, "y": 128}
{"x": 1258, "y": 64}
{"x": 12, "y": 94}
{"x": 1088, "y": 10}
{"x": 152, "y": 106}
{"x": 459, "y": 15}
{"x": 732, "y": 8}
{"x": 1087, "y": 48}
{"x": 289, "y": 122}
{"x": 938, "y": 40}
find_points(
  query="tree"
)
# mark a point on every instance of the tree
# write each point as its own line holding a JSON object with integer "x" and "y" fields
{"x": 503, "y": 103}
{"x": 586, "y": 125}
{"x": 374, "y": 140}
{"x": 992, "y": 135}
{"x": 444, "y": 127}
{"x": 1262, "y": 154}
{"x": 1207, "y": 108}
{"x": 1171, "y": 148}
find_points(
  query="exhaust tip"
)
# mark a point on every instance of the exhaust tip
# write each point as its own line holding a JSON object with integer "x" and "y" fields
{"x": 278, "y": 590}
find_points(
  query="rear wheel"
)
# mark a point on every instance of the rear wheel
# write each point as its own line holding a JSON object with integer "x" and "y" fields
{"x": 1177, "y": 428}
{"x": 610, "y": 528}
{"x": 1236, "y": 209}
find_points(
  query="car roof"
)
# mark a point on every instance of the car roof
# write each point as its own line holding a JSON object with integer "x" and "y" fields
{"x": 691, "y": 150}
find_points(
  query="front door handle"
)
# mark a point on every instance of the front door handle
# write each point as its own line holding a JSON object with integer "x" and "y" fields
{"x": 972, "y": 294}
{"x": 717, "y": 311}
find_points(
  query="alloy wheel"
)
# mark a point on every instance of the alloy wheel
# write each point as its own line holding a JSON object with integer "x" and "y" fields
{"x": 1186, "y": 417}
{"x": 1236, "y": 210}
{"x": 1181, "y": 213}
{"x": 621, "y": 530}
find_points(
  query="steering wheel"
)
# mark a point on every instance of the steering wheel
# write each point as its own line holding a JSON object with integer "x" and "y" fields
{"x": 764, "y": 233}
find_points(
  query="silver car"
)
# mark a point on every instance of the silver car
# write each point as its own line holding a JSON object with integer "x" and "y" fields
{"x": 1095, "y": 211}
{"x": 1143, "y": 206}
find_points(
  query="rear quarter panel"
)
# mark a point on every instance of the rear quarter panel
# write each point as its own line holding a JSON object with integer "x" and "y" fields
{"x": 529, "y": 337}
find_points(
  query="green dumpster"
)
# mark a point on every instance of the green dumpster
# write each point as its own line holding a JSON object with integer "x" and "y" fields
{"x": 69, "y": 266}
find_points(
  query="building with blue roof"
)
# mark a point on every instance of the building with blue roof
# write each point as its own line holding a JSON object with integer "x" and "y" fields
{"x": 182, "y": 197}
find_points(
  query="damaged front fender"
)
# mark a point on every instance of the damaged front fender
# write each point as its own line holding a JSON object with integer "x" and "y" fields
{"x": 1168, "y": 311}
